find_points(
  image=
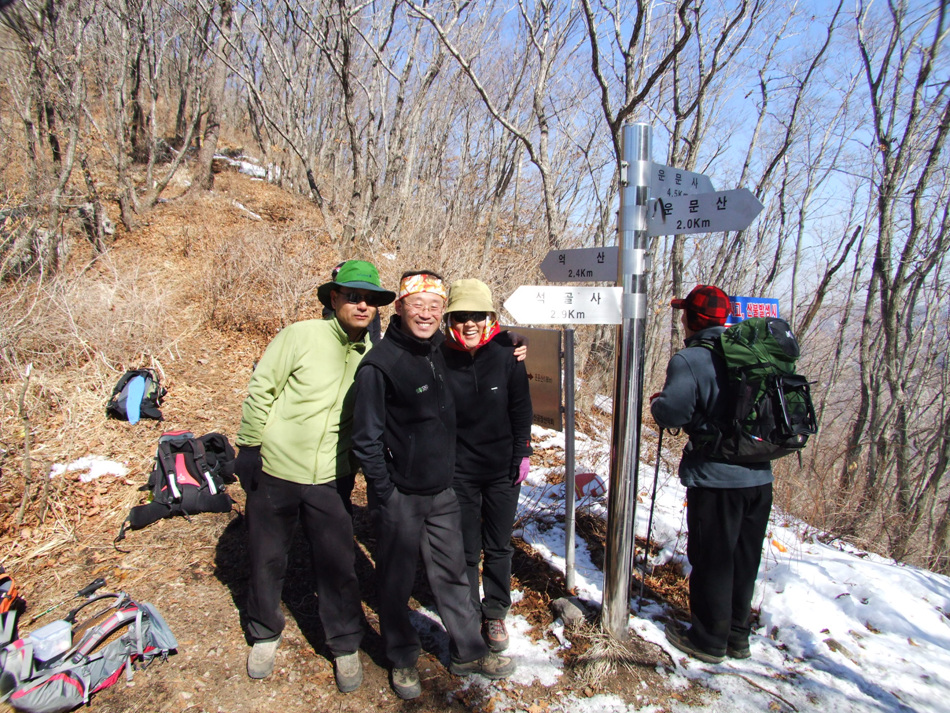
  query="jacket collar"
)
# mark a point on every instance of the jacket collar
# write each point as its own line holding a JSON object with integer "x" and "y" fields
{"x": 344, "y": 338}
{"x": 705, "y": 335}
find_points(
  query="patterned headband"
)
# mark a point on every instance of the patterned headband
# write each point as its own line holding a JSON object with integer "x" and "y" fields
{"x": 422, "y": 283}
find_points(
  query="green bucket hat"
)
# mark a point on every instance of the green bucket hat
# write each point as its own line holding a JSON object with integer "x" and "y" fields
{"x": 356, "y": 274}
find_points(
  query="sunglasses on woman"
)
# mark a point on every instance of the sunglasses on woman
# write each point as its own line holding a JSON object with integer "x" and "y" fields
{"x": 463, "y": 317}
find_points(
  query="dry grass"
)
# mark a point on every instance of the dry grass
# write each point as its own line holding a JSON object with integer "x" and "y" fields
{"x": 599, "y": 656}
{"x": 266, "y": 279}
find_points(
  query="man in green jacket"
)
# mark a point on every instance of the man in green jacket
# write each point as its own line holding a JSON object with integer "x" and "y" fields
{"x": 295, "y": 463}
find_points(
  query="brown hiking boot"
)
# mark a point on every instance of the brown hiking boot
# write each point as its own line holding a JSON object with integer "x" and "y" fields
{"x": 495, "y": 634}
{"x": 491, "y": 666}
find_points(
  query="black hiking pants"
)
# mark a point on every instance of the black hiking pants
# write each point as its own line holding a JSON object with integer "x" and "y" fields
{"x": 726, "y": 530}
{"x": 273, "y": 509}
{"x": 488, "y": 513}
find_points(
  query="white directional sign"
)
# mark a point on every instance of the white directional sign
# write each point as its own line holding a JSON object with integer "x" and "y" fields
{"x": 581, "y": 265}
{"x": 671, "y": 182}
{"x": 703, "y": 212}
{"x": 560, "y": 304}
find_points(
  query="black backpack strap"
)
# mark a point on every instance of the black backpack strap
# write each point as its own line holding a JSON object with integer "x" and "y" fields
{"x": 149, "y": 411}
{"x": 190, "y": 502}
{"x": 150, "y": 403}
{"x": 220, "y": 455}
{"x": 165, "y": 485}
{"x": 201, "y": 460}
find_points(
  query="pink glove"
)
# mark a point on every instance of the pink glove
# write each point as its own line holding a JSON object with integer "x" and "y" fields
{"x": 523, "y": 470}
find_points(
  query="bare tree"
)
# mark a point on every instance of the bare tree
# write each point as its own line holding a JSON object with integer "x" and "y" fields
{"x": 49, "y": 39}
{"x": 545, "y": 32}
{"x": 908, "y": 97}
{"x": 202, "y": 177}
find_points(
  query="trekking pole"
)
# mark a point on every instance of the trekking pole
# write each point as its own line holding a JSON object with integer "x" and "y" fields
{"x": 86, "y": 591}
{"x": 656, "y": 477}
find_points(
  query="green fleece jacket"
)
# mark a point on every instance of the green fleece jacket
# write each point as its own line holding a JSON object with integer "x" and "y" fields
{"x": 299, "y": 407}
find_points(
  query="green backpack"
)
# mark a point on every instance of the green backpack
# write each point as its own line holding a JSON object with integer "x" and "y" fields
{"x": 770, "y": 409}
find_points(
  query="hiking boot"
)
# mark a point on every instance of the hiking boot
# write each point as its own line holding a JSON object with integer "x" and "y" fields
{"x": 406, "y": 683}
{"x": 738, "y": 650}
{"x": 348, "y": 671}
{"x": 260, "y": 660}
{"x": 495, "y": 634}
{"x": 679, "y": 637}
{"x": 490, "y": 665}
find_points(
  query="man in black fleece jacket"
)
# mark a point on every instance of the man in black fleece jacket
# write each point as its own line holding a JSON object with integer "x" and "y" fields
{"x": 404, "y": 435}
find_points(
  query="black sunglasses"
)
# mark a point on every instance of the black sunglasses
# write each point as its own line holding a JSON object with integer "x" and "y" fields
{"x": 354, "y": 298}
{"x": 462, "y": 317}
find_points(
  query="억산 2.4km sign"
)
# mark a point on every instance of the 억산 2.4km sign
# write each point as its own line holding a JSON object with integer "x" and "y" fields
{"x": 581, "y": 265}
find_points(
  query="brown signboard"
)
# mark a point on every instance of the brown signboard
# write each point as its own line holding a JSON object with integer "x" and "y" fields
{"x": 544, "y": 375}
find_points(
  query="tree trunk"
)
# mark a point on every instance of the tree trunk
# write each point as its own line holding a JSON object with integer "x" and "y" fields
{"x": 203, "y": 177}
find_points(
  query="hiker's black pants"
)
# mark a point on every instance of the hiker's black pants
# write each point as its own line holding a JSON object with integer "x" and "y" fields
{"x": 488, "y": 513}
{"x": 273, "y": 509}
{"x": 726, "y": 529}
{"x": 430, "y": 526}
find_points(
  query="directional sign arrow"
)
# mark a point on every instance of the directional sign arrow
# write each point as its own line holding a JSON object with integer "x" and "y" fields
{"x": 561, "y": 304}
{"x": 703, "y": 212}
{"x": 671, "y": 182}
{"x": 581, "y": 265}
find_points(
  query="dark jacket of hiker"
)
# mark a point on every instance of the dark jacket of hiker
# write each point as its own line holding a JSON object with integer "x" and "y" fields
{"x": 692, "y": 395}
{"x": 493, "y": 409}
{"x": 416, "y": 454}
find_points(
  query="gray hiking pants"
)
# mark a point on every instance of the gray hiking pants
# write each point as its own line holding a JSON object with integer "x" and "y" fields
{"x": 430, "y": 526}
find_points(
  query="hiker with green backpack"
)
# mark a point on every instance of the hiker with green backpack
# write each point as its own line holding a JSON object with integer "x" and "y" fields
{"x": 735, "y": 394}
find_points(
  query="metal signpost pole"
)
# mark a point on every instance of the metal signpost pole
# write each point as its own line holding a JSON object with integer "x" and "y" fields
{"x": 569, "y": 515}
{"x": 628, "y": 377}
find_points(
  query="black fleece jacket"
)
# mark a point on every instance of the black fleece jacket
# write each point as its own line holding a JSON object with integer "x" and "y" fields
{"x": 492, "y": 407}
{"x": 404, "y": 417}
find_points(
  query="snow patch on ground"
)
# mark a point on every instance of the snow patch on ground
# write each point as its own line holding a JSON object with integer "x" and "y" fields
{"x": 841, "y": 629}
{"x": 92, "y": 466}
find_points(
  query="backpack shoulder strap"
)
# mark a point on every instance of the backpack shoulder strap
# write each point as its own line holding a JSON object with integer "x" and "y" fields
{"x": 165, "y": 472}
{"x": 710, "y": 343}
{"x": 201, "y": 460}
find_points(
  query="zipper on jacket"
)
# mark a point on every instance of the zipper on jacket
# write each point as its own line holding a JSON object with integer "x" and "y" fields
{"x": 439, "y": 383}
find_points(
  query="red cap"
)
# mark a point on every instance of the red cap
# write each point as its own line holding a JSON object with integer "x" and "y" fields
{"x": 705, "y": 305}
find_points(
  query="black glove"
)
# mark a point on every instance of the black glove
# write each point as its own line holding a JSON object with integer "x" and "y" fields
{"x": 248, "y": 466}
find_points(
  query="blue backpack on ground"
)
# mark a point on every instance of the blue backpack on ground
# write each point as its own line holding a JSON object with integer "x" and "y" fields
{"x": 137, "y": 394}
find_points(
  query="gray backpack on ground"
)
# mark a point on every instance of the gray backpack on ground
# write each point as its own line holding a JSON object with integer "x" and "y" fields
{"x": 68, "y": 679}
